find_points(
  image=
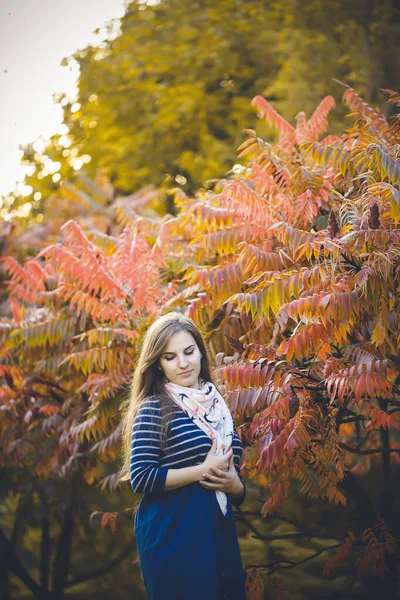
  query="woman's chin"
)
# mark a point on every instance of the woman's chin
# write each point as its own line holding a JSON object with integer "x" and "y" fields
{"x": 190, "y": 380}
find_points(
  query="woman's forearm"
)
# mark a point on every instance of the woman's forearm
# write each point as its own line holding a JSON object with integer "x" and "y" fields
{"x": 177, "y": 478}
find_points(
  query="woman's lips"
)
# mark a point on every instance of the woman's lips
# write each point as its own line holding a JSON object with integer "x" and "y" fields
{"x": 185, "y": 373}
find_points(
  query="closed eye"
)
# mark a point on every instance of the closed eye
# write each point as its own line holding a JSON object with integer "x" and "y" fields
{"x": 172, "y": 357}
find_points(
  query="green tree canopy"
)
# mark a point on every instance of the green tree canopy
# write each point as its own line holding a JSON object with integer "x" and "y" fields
{"x": 165, "y": 99}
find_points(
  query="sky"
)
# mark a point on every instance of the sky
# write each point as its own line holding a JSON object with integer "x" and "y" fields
{"x": 35, "y": 35}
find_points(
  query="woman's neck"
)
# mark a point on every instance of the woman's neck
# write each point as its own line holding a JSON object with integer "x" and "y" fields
{"x": 196, "y": 385}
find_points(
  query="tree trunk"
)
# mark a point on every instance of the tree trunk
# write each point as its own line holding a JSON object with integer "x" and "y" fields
{"x": 45, "y": 555}
{"x": 385, "y": 587}
{"x": 11, "y": 562}
{"x": 63, "y": 558}
{"x": 364, "y": 514}
{"x": 386, "y": 499}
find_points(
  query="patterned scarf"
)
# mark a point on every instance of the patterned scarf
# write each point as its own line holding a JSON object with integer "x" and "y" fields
{"x": 207, "y": 409}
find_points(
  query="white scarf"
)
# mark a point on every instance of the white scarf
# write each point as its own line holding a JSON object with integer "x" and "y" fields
{"x": 207, "y": 409}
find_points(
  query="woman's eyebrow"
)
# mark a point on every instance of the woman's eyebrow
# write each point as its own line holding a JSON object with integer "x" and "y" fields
{"x": 191, "y": 346}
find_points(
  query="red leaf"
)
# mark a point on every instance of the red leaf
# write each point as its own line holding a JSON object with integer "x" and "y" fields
{"x": 104, "y": 519}
{"x": 369, "y": 381}
{"x": 113, "y": 522}
{"x": 360, "y": 388}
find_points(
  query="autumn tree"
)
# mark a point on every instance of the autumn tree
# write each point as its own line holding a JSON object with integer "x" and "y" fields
{"x": 290, "y": 266}
{"x": 49, "y": 471}
{"x": 164, "y": 99}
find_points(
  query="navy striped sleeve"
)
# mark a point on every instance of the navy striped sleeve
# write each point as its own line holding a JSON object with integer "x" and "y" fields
{"x": 145, "y": 473}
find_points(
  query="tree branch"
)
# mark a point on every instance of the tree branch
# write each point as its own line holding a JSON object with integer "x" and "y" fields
{"x": 289, "y": 564}
{"x": 286, "y": 536}
{"x": 270, "y": 517}
{"x": 394, "y": 402}
{"x": 351, "y": 420}
{"x": 393, "y": 410}
{"x": 351, "y": 262}
{"x": 362, "y": 418}
{"x": 378, "y": 451}
{"x": 11, "y": 561}
{"x": 101, "y": 570}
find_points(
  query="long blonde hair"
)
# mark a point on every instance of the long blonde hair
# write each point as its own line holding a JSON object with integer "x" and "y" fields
{"x": 147, "y": 379}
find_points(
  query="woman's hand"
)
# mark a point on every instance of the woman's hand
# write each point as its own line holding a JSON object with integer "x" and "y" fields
{"x": 214, "y": 461}
{"x": 223, "y": 481}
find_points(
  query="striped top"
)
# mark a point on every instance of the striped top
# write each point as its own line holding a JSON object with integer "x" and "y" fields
{"x": 187, "y": 445}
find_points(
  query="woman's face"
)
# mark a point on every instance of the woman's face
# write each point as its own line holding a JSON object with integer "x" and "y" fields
{"x": 181, "y": 360}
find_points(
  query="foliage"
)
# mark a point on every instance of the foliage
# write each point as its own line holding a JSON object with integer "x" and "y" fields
{"x": 65, "y": 365}
{"x": 319, "y": 40}
{"x": 63, "y": 303}
{"x": 165, "y": 97}
{"x": 291, "y": 268}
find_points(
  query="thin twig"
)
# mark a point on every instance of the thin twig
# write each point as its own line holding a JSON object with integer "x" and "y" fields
{"x": 289, "y": 564}
{"x": 300, "y": 534}
{"x": 378, "y": 451}
{"x": 352, "y": 420}
{"x": 270, "y": 517}
{"x": 97, "y": 572}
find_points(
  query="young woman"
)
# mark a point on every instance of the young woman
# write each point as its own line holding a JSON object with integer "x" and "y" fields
{"x": 182, "y": 452}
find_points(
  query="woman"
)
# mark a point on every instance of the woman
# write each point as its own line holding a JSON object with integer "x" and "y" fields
{"x": 182, "y": 452}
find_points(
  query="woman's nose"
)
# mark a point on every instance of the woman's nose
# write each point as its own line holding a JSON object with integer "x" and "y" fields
{"x": 182, "y": 361}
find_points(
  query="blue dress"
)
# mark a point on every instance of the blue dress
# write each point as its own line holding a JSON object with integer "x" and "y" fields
{"x": 188, "y": 550}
